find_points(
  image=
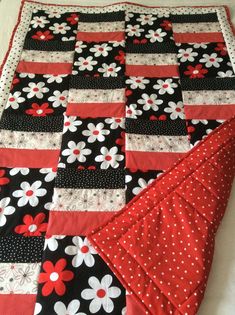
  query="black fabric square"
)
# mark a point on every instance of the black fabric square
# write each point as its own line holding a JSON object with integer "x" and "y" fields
{"x": 154, "y": 98}
{"x": 25, "y": 195}
{"x": 20, "y": 249}
{"x": 38, "y": 95}
{"x": 73, "y": 275}
{"x": 52, "y": 25}
{"x": 147, "y": 28}
{"x": 93, "y": 143}
{"x": 103, "y": 59}
{"x": 204, "y": 60}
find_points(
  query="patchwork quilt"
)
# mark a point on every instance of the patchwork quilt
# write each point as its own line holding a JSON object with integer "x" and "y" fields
{"x": 117, "y": 157}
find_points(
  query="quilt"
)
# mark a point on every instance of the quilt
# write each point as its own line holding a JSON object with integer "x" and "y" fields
{"x": 117, "y": 157}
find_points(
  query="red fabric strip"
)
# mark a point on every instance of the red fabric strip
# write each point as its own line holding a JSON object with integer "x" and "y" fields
{"x": 44, "y": 67}
{"x": 133, "y": 307}
{"x": 198, "y": 37}
{"x": 151, "y": 160}
{"x": 209, "y": 111}
{"x": 153, "y": 71}
{"x": 100, "y": 37}
{"x": 17, "y": 304}
{"x": 96, "y": 109}
{"x": 28, "y": 158}
{"x": 77, "y": 222}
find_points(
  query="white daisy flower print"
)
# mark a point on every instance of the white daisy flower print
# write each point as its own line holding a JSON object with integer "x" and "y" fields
{"x": 50, "y": 173}
{"x": 60, "y": 28}
{"x": 228, "y": 73}
{"x": 95, "y": 132}
{"x": 142, "y": 185}
{"x": 176, "y": 110}
{"x": 101, "y": 294}
{"x": 52, "y": 242}
{"x": 122, "y": 43}
{"x": 200, "y": 45}
{"x": 72, "y": 308}
{"x": 66, "y": 39}
{"x": 53, "y": 14}
{"x": 29, "y": 193}
{"x": 27, "y": 75}
{"x": 39, "y": 21}
{"x": 59, "y": 98}
{"x": 187, "y": 55}
{"x": 137, "y": 82}
{"x": 101, "y": 50}
{"x": 17, "y": 170}
{"x": 58, "y": 78}
{"x": 49, "y": 205}
{"x": 115, "y": 122}
{"x": 163, "y": 15}
{"x": 82, "y": 251}
{"x": 109, "y": 158}
{"x": 79, "y": 46}
{"x": 110, "y": 70}
{"x": 211, "y": 60}
{"x": 36, "y": 90}
{"x": 76, "y": 151}
{"x": 71, "y": 123}
{"x": 128, "y": 179}
{"x": 197, "y": 121}
{"x": 156, "y": 36}
{"x": 132, "y": 111}
{"x": 14, "y": 100}
{"x": 5, "y": 210}
{"x": 37, "y": 308}
{"x": 146, "y": 19}
{"x": 150, "y": 102}
{"x": 128, "y": 16}
{"x": 134, "y": 30}
{"x": 85, "y": 63}
{"x": 165, "y": 86}
{"x": 74, "y": 72}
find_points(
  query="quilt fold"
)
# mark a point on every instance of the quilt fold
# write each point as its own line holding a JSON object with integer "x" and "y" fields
{"x": 160, "y": 246}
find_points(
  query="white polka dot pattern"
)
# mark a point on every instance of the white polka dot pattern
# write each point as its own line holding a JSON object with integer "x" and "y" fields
{"x": 227, "y": 33}
{"x": 161, "y": 244}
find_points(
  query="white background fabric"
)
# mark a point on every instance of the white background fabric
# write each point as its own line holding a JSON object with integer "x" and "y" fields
{"x": 220, "y": 293}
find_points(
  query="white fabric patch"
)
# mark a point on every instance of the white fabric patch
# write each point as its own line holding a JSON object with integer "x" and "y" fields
{"x": 47, "y": 56}
{"x": 19, "y": 278}
{"x": 209, "y": 97}
{"x": 96, "y": 96}
{"x": 157, "y": 143}
{"x": 66, "y": 199}
{"x": 30, "y": 140}
{"x": 206, "y": 27}
{"x": 151, "y": 59}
